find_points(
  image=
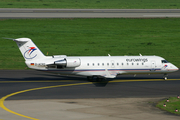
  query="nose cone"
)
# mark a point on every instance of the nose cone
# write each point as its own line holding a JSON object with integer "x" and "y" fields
{"x": 174, "y": 68}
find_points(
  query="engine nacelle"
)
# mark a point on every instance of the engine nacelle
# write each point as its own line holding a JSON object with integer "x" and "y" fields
{"x": 68, "y": 62}
{"x": 73, "y": 62}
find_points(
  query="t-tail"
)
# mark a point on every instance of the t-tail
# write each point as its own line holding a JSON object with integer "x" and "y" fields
{"x": 28, "y": 49}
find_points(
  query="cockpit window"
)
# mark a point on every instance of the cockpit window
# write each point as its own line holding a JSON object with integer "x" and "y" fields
{"x": 164, "y": 61}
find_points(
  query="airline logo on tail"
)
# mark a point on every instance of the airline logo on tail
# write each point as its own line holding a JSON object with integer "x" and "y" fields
{"x": 29, "y": 54}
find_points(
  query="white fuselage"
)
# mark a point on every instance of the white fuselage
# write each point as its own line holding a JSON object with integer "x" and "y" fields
{"x": 107, "y": 66}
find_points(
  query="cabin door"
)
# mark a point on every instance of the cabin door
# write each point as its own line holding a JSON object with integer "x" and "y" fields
{"x": 153, "y": 65}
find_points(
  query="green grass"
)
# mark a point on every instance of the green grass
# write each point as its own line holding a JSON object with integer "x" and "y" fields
{"x": 98, "y": 4}
{"x": 171, "y": 106}
{"x": 91, "y": 37}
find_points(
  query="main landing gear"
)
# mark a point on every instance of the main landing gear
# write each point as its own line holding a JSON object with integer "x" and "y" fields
{"x": 95, "y": 79}
{"x": 165, "y": 76}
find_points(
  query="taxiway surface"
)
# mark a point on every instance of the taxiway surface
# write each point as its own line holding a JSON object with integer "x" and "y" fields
{"x": 122, "y": 86}
{"x": 46, "y": 96}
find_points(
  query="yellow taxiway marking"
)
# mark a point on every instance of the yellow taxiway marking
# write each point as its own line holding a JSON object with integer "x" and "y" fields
{"x": 44, "y": 81}
{"x": 142, "y": 80}
{"x": 40, "y": 88}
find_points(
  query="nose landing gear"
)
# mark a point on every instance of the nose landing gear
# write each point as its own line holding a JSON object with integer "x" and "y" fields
{"x": 165, "y": 76}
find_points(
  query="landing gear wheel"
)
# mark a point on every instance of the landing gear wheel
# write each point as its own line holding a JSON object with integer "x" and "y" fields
{"x": 95, "y": 79}
{"x": 165, "y": 78}
{"x": 100, "y": 79}
{"x": 90, "y": 78}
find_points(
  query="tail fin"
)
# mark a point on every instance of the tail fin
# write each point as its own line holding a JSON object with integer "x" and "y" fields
{"x": 28, "y": 49}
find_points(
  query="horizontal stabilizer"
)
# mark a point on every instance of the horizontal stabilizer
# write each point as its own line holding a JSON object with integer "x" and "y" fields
{"x": 9, "y": 38}
{"x": 19, "y": 39}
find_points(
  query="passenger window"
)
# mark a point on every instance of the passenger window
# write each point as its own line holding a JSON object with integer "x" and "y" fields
{"x": 102, "y": 64}
{"x": 98, "y": 64}
{"x": 137, "y": 63}
{"x": 93, "y": 64}
{"x": 87, "y": 64}
{"x": 122, "y": 64}
{"x": 132, "y": 63}
{"x": 142, "y": 63}
{"x": 127, "y": 63}
{"x": 117, "y": 64}
{"x": 108, "y": 64}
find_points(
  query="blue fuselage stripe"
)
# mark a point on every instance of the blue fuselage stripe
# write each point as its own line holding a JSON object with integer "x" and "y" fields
{"x": 101, "y": 70}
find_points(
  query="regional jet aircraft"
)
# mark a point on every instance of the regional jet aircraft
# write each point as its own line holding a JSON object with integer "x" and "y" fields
{"x": 94, "y": 67}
